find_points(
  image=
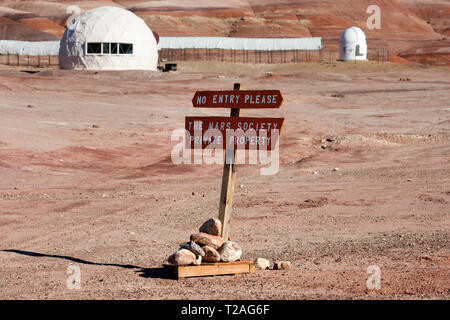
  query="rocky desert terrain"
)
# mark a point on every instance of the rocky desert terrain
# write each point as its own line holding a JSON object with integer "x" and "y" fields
{"x": 87, "y": 180}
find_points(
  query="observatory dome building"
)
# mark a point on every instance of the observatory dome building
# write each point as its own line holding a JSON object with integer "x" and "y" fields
{"x": 353, "y": 45}
{"x": 108, "y": 38}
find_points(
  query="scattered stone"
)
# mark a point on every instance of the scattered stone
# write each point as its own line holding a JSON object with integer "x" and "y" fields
{"x": 197, "y": 260}
{"x": 282, "y": 265}
{"x": 336, "y": 169}
{"x": 230, "y": 251}
{"x": 211, "y": 254}
{"x": 193, "y": 247}
{"x": 31, "y": 106}
{"x": 193, "y": 193}
{"x": 205, "y": 239}
{"x": 409, "y": 180}
{"x": 315, "y": 172}
{"x": 95, "y": 126}
{"x": 262, "y": 263}
{"x": 182, "y": 257}
{"x": 241, "y": 186}
{"x": 212, "y": 226}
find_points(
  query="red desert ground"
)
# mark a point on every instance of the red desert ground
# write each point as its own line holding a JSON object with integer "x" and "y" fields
{"x": 87, "y": 178}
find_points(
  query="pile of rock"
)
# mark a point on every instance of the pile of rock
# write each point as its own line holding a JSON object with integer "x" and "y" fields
{"x": 207, "y": 245}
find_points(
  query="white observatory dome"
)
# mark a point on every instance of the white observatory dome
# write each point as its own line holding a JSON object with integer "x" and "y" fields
{"x": 108, "y": 38}
{"x": 353, "y": 45}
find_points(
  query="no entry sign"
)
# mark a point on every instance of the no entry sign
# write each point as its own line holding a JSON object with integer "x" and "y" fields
{"x": 238, "y": 99}
{"x": 232, "y": 132}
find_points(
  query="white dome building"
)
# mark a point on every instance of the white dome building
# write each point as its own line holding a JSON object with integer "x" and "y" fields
{"x": 353, "y": 45}
{"x": 108, "y": 38}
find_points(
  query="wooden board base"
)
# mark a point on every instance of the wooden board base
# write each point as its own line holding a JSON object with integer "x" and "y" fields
{"x": 213, "y": 269}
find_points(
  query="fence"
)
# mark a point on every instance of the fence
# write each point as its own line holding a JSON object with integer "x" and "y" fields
{"x": 28, "y": 60}
{"x": 264, "y": 56}
{"x": 221, "y": 55}
{"x": 241, "y": 56}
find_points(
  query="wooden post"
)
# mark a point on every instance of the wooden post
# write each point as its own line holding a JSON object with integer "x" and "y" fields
{"x": 228, "y": 180}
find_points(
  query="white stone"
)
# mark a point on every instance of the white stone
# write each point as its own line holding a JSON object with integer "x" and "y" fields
{"x": 230, "y": 251}
{"x": 262, "y": 263}
{"x": 282, "y": 265}
{"x": 182, "y": 257}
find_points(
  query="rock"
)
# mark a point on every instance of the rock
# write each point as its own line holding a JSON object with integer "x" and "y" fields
{"x": 281, "y": 265}
{"x": 205, "y": 239}
{"x": 211, "y": 254}
{"x": 262, "y": 263}
{"x": 197, "y": 260}
{"x": 212, "y": 226}
{"x": 182, "y": 257}
{"x": 193, "y": 247}
{"x": 230, "y": 251}
{"x": 336, "y": 169}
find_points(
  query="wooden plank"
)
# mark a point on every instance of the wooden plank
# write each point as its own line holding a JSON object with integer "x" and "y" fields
{"x": 240, "y": 100}
{"x": 214, "y": 269}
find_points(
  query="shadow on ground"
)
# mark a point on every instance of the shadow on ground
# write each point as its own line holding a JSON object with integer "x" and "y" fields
{"x": 165, "y": 272}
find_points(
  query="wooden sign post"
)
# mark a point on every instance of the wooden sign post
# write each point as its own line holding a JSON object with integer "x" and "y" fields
{"x": 237, "y": 99}
{"x": 228, "y": 179}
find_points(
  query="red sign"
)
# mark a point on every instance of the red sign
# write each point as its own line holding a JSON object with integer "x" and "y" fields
{"x": 238, "y": 99}
{"x": 232, "y": 132}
